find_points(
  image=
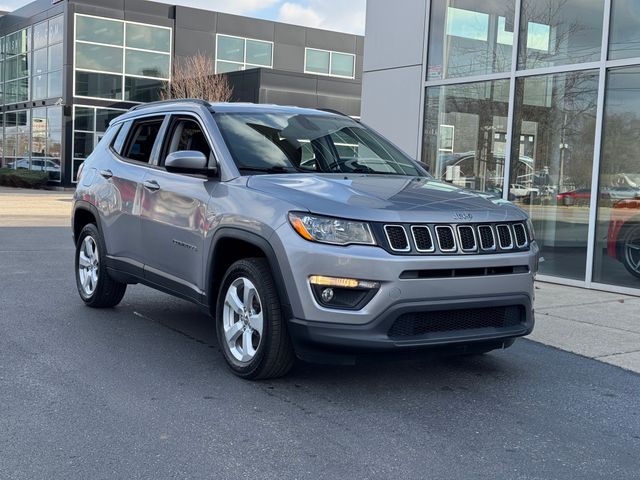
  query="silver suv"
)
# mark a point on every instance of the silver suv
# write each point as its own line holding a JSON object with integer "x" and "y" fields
{"x": 304, "y": 233}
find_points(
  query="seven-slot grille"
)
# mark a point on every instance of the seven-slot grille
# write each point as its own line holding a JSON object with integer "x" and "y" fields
{"x": 456, "y": 239}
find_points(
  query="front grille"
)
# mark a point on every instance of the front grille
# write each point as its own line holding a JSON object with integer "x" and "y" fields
{"x": 446, "y": 239}
{"x": 397, "y": 237}
{"x": 423, "y": 323}
{"x": 487, "y": 240}
{"x": 520, "y": 234}
{"x": 467, "y": 238}
{"x": 504, "y": 237}
{"x": 452, "y": 239}
{"x": 422, "y": 238}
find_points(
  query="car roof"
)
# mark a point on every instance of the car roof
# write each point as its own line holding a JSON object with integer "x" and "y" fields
{"x": 167, "y": 106}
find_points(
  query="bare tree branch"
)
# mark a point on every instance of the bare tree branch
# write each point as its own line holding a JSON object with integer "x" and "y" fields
{"x": 193, "y": 77}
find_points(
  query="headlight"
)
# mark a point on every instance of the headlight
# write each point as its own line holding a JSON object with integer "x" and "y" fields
{"x": 531, "y": 231}
{"x": 336, "y": 231}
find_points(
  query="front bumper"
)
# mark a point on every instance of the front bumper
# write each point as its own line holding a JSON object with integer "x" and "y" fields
{"x": 313, "y": 326}
{"x": 317, "y": 339}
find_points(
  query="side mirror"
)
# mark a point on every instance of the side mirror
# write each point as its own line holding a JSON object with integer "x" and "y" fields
{"x": 188, "y": 161}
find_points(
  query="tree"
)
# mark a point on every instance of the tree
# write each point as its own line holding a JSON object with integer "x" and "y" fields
{"x": 194, "y": 77}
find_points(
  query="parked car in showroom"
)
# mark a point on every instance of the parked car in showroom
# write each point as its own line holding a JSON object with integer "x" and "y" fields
{"x": 303, "y": 233}
{"x": 623, "y": 236}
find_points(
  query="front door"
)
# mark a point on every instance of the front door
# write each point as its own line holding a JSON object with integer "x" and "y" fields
{"x": 173, "y": 215}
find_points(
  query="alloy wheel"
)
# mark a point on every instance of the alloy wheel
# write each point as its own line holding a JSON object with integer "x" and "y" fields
{"x": 242, "y": 319}
{"x": 88, "y": 265}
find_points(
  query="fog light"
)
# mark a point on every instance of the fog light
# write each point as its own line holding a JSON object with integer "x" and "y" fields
{"x": 342, "y": 293}
{"x": 327, "y": 295}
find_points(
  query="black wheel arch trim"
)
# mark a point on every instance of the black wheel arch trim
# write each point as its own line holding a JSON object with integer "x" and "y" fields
{"x": 86, "y": 206}
{"x": 257, "y": 241}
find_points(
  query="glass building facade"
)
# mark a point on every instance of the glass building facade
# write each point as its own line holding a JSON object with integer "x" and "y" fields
{"x": 68, "y": 67}
{"x": 534, "y": 101}
{"x": 30, "y": 70}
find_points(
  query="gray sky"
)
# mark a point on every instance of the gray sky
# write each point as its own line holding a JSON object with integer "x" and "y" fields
{"x": 342, "y": 15}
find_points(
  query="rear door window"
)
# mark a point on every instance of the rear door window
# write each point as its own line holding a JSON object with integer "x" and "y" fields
{"x": 142, "y": 138}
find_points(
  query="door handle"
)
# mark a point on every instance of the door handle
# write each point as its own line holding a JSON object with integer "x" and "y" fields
{"x": 151, "y": 185}
{"x": 106, "y": 173}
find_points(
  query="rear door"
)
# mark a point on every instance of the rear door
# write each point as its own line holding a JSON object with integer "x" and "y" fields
{"x": 174, "y": 211}
{"x": 120, "y": 202}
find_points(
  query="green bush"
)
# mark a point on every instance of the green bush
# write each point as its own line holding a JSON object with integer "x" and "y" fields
{"x": 23, "y": 178}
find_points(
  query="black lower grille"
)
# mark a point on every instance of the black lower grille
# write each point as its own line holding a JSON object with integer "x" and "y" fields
{"x": 423, "y": 323}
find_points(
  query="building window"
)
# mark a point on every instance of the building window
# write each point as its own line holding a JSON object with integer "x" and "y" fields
{"x": 324, "y": 62}
{"x": 553, "y": 137}
{"x": 560, "y": 32}
{"x": 15, "y": 63}
{"x": 89, "y": 126}
{"x": 465, "y": 132}
{"x": 236, "y": 53}
{"x": 617, "y": 252}
{"x": 467, "y": 39}
{"x": 32, "y": 140}
{"x": 120, "y": 60}
{"x": 46, "y": 80}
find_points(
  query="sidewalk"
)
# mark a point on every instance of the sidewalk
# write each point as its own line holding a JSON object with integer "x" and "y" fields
{"x": 600, "y": 325}
{"x": 21, "y": 207}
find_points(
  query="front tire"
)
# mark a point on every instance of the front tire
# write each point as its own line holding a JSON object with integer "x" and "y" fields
{"x": 251, "y": 331}
{"x": 96, "y": 288}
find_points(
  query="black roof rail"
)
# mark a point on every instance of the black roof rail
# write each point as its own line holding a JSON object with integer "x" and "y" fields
{"x": 198, "y": 101}
{"x": 331, "y": 110}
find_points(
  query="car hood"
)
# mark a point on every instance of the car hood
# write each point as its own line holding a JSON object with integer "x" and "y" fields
{"x": 385, "y": 198}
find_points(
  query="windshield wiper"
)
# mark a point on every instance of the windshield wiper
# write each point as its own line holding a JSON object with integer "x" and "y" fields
{"x": 275, "y": 169}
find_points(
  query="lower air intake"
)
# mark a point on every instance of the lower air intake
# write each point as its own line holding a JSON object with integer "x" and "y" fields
{"x": 423, "y": 323}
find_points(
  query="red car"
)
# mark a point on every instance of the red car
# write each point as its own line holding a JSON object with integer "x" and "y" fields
{"x": 581, "y": 196}
{"x": 623, "y": 238}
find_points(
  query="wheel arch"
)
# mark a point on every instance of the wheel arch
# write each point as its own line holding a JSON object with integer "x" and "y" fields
{"x": 230, "y": 244}
{"x": 83, "y": 214}
{"x": 628, "y": 224}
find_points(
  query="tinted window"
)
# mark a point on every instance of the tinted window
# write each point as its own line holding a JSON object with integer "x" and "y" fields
{"x": 142, "y": 139}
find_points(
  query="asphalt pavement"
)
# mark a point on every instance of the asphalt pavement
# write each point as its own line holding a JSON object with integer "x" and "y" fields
{"x": 141, "y": 391}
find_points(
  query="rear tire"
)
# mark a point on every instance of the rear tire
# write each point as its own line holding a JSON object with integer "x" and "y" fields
{"x": 251, "y": 331}
{"x": 96, "y": 288}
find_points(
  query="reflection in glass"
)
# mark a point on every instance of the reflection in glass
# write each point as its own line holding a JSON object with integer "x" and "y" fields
{"x": 342, "y": 64}
{"x": 259, "y": 53}
{"x": 230, "y": 48}
{"x": 40, "y": 87}
{"x": 56, "y": 29}
{"x": 147, "y": 64}
{"x": 560, "y": 32}
{"x": 40, "y": 35}
{"x": 82, "y": 144}
{"x": 99, "y": 30}
{"x": 104, "y": 117}
{"x": 143, "y": 90}
{"x": 224, "y": 67}
{"x": 40, "y": 62}
{"x": 55, "y": 84}
{"x": 470, "y": 38}
{"x": 464, "y": 134}
{"x": 55, "y": 57}
{"x": 554, "y": 129}
{"x": 617, "y": 253}
{"x": 98, "y": 57}
{"x": 84, "y": 119}
{"x": 148, "y": 37}
{"x": 317, "y": 61}
{"x": 98, "y": 85}
{"x": 624, "y": 41}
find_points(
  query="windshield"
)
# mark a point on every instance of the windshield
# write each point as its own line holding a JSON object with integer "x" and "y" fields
{"x": 282, "y": 142}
